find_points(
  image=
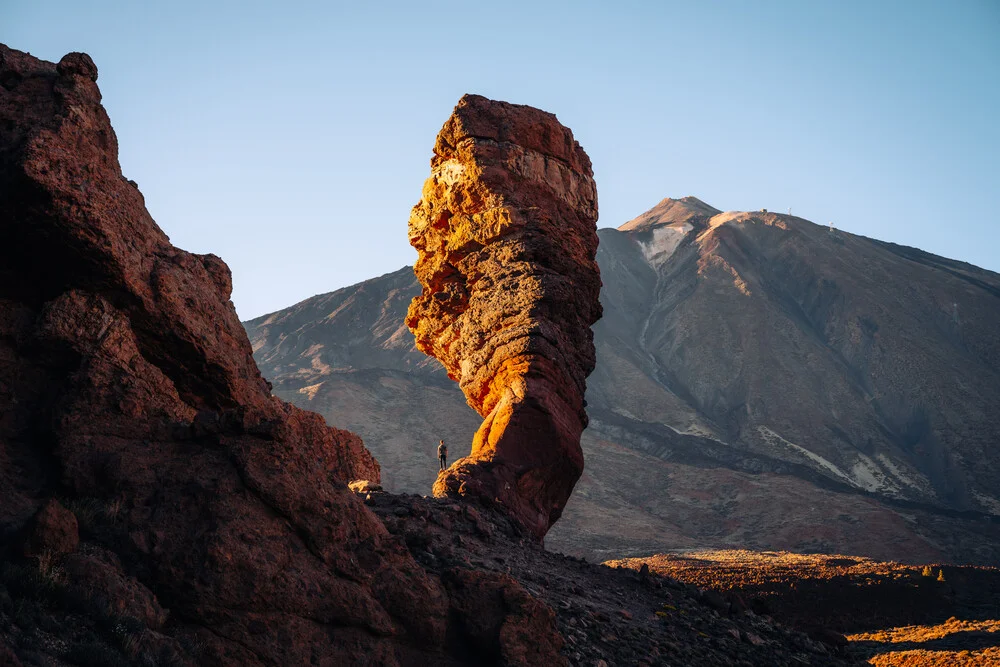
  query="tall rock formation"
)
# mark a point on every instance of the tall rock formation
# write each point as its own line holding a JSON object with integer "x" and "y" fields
{"x": 506, "y": 233}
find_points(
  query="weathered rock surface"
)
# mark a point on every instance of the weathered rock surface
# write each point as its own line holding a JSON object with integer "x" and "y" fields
{"x": 506, "y": 233}
{"x": 216, "y": 522}
{"x": 52, "y": 531}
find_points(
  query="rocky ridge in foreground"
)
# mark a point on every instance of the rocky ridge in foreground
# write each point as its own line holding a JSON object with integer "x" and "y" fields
{"x": 212, "y": 514}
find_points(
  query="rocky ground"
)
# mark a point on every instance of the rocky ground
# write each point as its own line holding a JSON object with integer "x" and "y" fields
{"x": 892, "y": 614}
{"x": 50, "y": 614}
{"x": 700, "y": 608}
{"x": 606, "y": 615}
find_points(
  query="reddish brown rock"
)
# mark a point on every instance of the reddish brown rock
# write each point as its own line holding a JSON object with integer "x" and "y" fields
{"x": 52, "y": 530}
{"x": 502, "y": 621}
{"x": 97, "y": 571}
{"x": 127, "y": 386}
{"x": 506, "y": 233}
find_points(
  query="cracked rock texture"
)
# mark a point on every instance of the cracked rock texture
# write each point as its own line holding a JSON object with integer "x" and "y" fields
{"x": 506, "y": 236}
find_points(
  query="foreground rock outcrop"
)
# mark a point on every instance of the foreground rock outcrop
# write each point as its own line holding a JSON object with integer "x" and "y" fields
{"x": 202, "y": 519}
{"x": 506, "y": 233}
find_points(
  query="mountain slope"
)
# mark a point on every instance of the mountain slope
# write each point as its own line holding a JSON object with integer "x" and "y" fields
{"x": 761, "y": 381}
{"x": 871, "y": 365}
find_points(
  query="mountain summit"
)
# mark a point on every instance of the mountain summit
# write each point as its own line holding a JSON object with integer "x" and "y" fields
{"x": 869, "y": 364}
{"x": 685, "y": 210}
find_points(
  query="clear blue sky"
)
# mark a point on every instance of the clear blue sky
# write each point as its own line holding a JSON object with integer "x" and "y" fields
{"x": 292, "y": 138}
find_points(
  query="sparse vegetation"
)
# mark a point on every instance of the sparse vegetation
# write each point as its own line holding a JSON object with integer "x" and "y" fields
{"x": 93, "y": 513}
{"x": 87, "y": 512}
{"x": 37, "y": 603}
{"x": 113, "y": 509}
{"x": 932, "y": 645}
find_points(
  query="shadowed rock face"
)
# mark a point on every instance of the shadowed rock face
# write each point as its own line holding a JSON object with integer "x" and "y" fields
{"x": 128, "y": 389}
{"x": 506, "y": 233}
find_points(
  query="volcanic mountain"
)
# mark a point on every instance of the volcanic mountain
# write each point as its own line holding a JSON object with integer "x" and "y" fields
{"x": 761, "y": 382}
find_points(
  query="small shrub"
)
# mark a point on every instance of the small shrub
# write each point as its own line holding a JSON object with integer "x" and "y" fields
{"x": 123, "y": 632}
{"x": 87, "y": 511}
{"x": 33, "y": 583}
{"x": 49, "y": 569}
{"x": 113, "y": 509}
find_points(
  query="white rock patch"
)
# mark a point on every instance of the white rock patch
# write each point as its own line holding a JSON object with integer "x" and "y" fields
{"x": 774, "y": 439}
{"x": 664, "y": 243}
{"x": 920, "y": 482}
{"x": 992, "y": 505}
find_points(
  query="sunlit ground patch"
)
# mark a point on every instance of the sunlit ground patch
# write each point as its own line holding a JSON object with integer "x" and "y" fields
{"x": 952, "y": 643}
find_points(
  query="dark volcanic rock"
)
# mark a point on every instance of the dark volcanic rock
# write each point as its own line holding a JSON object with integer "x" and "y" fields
{"x": 128, "y": 389}
{"x": 53, "y": 530}
{"x": 506, "y": 232}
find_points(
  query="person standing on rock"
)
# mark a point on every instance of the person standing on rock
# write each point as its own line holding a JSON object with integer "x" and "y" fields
{"x": 443, "y": 455}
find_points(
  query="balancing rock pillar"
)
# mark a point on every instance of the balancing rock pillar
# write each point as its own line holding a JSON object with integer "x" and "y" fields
{"x": 507, "y": 237}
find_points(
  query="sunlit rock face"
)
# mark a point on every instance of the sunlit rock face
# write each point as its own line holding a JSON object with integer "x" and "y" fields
{"x": 506, "y": 236}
